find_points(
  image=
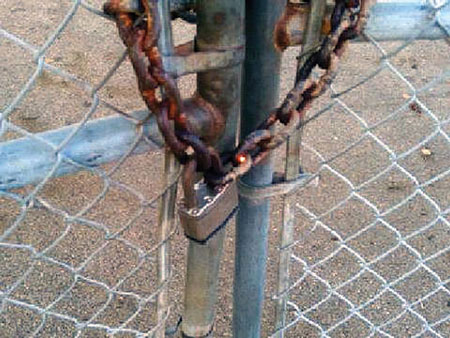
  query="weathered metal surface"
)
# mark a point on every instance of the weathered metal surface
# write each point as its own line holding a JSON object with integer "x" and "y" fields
{"x": 261, "y": 57}
{"x": 388, "y": 21}
{"x": 289, "y": 30}
{"x": 166, "y": 215}
{"x": 166, "y": 220}
{"x": 310, "y": 37}
{"x": 200, "y": 293}
{"x": 260, "y": 96}
{"x": 29, "y": 159}
{"x": 211, "y": 213}
{"x": 196, "y": 62}
{"x": 110, "y": 138}
{"x": 279, "y": 188}
{"x": 203, "y": 119}
{"x": 219, "y": 26}
{"x": 140, "y": 34}
{"x": 135, "y": 6}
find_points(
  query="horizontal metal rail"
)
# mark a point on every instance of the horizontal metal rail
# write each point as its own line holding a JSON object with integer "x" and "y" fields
{"x": 388, "y": 21}
{"x": 29, "y": 160}
{"x": 407, "y": 20}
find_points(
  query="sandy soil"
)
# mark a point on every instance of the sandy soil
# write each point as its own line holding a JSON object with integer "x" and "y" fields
{"x": 379, "y": 245}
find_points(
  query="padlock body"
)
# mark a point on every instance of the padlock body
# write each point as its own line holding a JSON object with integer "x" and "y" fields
{"x": 213, "y": 212}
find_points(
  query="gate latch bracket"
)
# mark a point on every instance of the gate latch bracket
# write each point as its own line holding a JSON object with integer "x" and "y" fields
{"x": 279, "y": 187}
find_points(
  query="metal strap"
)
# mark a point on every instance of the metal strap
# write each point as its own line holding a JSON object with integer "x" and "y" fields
{"x": 275, "y": 189}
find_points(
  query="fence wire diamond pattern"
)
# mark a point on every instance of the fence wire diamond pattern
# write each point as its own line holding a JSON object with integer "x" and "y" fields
{"x": 371, "y": 250}
{"x": 74, "y": 267}
{"x": 371, "y": 258}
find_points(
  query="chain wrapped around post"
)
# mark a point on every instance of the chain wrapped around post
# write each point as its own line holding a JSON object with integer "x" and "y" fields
{"x": 139, "y": 29}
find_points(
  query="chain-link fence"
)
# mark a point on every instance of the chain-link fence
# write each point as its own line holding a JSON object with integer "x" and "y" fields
{"x": 371, "y": 253}
{"x": 79, "y": 254}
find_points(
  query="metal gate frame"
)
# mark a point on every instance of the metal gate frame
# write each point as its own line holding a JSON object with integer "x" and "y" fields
{"x": 224, "y": 22}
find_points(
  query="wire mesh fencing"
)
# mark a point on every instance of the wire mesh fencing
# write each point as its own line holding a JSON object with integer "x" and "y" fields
{"x": 79, "y": 253}
{"x": 370, "y": 254}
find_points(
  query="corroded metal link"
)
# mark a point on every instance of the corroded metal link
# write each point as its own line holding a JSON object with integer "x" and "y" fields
{"x": 139, "y": 29}
{"x": 347, "y": 21}
{"x": 201, "y": 151}
{"x": 254, "y": 139}
{"x": 188, "y": 182}
{"x": 164, "y": 125}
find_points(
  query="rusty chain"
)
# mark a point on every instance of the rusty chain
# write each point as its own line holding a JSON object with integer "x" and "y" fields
{"x": 139, "y": 29}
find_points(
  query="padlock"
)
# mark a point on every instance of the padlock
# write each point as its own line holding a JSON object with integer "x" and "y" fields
{"x": 213, "y": 211}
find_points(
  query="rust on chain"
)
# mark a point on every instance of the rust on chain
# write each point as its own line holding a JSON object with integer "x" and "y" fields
{"x": 285, "y": 34}
{"x": 347, "y": 21}
{"x": 191, "y": 123}
{"x": 203, "y": 119}
{"x": 188, "y": 182}
{"x": 290, "y": 28}
{"x": 191, "y": 127}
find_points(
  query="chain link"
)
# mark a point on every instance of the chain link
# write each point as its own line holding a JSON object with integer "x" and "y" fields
{"x": 140, "y": 34}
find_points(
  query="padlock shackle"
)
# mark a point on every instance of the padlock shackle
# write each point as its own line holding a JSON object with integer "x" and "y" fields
{"x": 189, "y": 179}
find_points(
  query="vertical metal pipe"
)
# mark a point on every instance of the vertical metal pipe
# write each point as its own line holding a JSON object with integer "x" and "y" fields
{"x": 167, "y": 203}
{"x": 201, "y": 286}
{"x": 166, "y": 219}
{"x": 311, "y": 39}
{"x": 219, "y": 27}
{"x": 260, "y": 96}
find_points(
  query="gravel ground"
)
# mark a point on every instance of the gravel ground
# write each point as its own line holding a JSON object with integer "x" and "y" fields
{"x": 371, "y": 251}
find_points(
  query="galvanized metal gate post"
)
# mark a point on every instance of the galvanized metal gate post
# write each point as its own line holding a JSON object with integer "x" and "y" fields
{"x": 110, "y": 138}
{"x": 260, "y": 96}
{"x": 311, "y": 38}
{"x": 167, "y": 203}
{"x": 219, "y": 27}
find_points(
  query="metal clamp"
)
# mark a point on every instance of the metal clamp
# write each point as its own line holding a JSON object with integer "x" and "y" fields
{"x": 279, "y": 187}
{"x": 195, "y": 62}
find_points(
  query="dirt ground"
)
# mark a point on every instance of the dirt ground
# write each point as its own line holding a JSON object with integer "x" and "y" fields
{"x": 371, "y": 254}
